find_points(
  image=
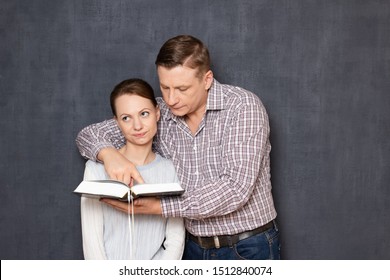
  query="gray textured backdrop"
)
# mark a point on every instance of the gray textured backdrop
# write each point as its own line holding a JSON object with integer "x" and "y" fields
{"x": 322, "y": 69}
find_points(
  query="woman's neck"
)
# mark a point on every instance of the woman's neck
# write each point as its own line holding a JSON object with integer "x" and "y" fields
{"x": 138, "y": 155}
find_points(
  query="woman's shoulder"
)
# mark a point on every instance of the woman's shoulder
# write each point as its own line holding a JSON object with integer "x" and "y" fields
{"x": 95, "y": 170}
{"x": 93, "y": 165}
{"x": 169, "y": 169}
{"x": 164, "y": 161}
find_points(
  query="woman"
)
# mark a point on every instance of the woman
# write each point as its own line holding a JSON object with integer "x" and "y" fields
{"x": 109, "y": 233}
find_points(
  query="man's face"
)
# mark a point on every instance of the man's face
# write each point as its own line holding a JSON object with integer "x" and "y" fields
{"x": 183, "y": 91}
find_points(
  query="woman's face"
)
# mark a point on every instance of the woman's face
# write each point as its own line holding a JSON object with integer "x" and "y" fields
{"x": 137, "y": 118}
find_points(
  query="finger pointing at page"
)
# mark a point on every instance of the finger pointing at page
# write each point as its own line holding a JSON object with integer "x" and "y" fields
{"x": 119, "y": 167}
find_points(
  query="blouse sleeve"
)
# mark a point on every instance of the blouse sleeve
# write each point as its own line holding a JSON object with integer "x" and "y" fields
{"x": 174, "y": 241}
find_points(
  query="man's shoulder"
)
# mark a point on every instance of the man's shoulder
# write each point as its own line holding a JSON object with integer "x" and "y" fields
{"x": 164, "y": 109}
{"x": 161, "y": 102}
{"x": 235, "y": 95}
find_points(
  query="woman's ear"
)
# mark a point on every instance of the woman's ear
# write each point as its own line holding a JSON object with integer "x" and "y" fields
{"x": 158, "y": 113}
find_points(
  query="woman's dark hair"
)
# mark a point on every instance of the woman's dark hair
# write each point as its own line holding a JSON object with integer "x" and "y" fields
{"x": 132, "y": 86}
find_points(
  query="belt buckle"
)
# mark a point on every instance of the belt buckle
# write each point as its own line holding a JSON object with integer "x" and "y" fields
{"x": 216, "y": 242}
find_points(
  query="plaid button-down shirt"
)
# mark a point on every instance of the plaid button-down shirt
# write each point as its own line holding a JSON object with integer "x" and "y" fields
{"x": 224, "y": 167}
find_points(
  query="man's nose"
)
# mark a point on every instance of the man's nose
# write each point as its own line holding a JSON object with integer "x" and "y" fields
{"x": 172, "y": 98}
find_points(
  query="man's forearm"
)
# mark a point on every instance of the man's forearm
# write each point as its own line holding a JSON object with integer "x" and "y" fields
{"x": 105, "y": 153}
{"x": 93, "y": 138}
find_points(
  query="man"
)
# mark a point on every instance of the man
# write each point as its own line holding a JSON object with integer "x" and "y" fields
{"x": 218, "y": 139}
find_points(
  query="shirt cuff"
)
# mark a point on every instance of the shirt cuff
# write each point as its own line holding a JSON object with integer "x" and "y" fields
{"x": 170, "y": 207}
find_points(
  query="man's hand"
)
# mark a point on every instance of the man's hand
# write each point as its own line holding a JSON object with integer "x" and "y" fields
{"x": 149, "y": 205}
{"x": 119, "y": 167}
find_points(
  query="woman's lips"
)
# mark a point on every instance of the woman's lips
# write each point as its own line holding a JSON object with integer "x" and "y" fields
{"x": 139, "y": 135}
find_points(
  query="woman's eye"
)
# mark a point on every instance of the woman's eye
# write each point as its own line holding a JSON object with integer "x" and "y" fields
{"x": 145, "y": 114}
{"x": 125, "y": 118}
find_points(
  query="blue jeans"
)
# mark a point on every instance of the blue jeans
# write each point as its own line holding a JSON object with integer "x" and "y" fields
{"x": 262, "y": 246}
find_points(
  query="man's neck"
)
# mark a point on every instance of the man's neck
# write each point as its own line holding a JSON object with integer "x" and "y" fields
{"x": 194, "y": 119}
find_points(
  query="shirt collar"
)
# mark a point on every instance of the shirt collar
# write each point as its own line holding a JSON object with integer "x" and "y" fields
{"x": 215, "y": 99}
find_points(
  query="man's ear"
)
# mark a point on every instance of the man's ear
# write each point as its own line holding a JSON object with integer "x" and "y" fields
{"x": 208, "y": 79}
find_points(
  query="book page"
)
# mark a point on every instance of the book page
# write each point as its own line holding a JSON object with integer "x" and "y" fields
{"x": 103, "y": 188}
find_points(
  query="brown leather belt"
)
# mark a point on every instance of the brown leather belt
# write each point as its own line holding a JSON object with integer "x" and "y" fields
{"x": 227, "y": 240}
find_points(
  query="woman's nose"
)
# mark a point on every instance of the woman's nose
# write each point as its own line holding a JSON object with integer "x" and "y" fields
{"x": 137, "y": 124}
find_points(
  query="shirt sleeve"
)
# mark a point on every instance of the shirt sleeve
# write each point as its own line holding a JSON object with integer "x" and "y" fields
{"x": 91, "y": 139}
{"x": 243, "y": 149}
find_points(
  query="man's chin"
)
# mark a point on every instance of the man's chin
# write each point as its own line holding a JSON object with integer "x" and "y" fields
{"x": 178, "y": 112}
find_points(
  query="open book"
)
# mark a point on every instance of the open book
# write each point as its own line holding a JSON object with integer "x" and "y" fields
{"x": 119, "y": 190}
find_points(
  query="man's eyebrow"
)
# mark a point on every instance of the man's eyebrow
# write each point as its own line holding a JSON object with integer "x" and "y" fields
{"x": 180, "y": 86}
